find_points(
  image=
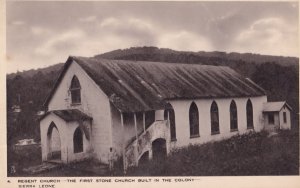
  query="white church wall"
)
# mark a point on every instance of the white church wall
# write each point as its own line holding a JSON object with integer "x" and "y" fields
{"x": 93, "y": 102}
{"x": 181, "y": 108}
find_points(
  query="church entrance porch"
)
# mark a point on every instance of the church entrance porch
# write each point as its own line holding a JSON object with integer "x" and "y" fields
{"x": 53, "y": 143}
{"x": 65, "y": 136}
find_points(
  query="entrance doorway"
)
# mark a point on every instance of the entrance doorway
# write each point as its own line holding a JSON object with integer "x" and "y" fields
{"x": 159, "y": 149}
{"x": 53, "y": 143}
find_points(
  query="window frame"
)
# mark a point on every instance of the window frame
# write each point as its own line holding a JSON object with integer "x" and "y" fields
{"x": 284, "y": 117}
{"x": 194, "y": 121}
{"x": 75, "y": 91}
{"x": 214, "y": 118}
{"x": 233, "y": 116}
{"x": 249, "y": 114}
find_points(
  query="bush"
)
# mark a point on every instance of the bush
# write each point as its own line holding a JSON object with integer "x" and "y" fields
{"x": 247, "y": 154}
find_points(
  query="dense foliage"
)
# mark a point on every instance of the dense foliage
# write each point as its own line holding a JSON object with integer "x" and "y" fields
{"x": 277, "y": 75}
{"x": 243, "y": 155}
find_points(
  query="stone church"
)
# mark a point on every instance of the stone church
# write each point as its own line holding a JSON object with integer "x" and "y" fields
{"x": 142, "y": 110}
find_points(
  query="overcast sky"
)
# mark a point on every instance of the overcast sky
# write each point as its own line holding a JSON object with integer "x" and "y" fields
{"x": 40, "y": 34}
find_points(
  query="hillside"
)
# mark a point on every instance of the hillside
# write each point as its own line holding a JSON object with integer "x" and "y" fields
{"x": 168, "y": 55}
{"x": 276, "y": 74}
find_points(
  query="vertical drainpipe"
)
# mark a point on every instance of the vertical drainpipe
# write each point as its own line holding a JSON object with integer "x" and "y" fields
{"x": 279, "y": 120}
{"x": 136, "y": 137}
{"x": 144, "y": 121}
{"x": 169, "y": 126}
{"x": 135, "y": 126}
{"x": 123, "y": 144}
{"x": 169, "y": 119}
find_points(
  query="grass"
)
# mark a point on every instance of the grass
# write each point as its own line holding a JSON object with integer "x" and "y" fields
{"x": 23, "y": 157}
{"x": 249, "y": 154}
{"x": 241, "y": 155}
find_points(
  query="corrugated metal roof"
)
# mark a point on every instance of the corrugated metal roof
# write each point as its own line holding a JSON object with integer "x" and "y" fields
{"x": 69, "y": 115}
{"x": 141, "y": 86}
{"x": 274, "y": 106}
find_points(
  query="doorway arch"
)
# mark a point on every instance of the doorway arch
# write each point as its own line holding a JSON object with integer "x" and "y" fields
{"x": 159, "y": 149}
{"x": 53, "y": 143}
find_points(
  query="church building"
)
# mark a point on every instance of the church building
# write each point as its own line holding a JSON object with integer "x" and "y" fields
{"x": 136, "y": 111}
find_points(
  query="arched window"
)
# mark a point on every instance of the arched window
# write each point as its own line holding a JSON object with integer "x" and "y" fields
{"x": 249, "y": 111}
{"x": 233, "y": 116}
{"x": 78, "y": 141}
{"x": 214, "y": 118}
{"x": 170, "y": 111}
{"x": 75, "y": 90}
{"x": 194, "y": 120}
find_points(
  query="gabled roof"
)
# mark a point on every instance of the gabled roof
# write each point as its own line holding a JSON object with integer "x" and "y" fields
{"x": 134, "y": 86}
{"x": 275, "y": 106}
{"x": 69, "y": 115}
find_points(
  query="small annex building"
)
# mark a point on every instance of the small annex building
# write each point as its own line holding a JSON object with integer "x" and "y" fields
{"x": 277, "y": 115}
{"x": 135, "y": 111}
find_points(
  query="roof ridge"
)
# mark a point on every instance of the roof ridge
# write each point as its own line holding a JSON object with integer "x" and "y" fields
{"x": 154, "y": 62}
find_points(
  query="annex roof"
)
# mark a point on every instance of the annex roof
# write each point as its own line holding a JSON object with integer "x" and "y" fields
{"x": 69, "y": 115}
{"x": 134, "y": 86}
{"x": 275, "y": 106}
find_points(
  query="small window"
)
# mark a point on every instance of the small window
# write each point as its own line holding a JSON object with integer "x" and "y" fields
{"x": 284, "y": 117}
{"x": 78, "y": 141}
{"x": 214, "y": 117}
{"x": 249, "y": 114}
{"x": 75, "y": 91}
{"x": 233, "y": 116}
{"x": 271, "y": 118}
{"x": 194, "y": 120}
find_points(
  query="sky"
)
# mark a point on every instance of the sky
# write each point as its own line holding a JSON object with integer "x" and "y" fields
{"x": 40, "y": 34}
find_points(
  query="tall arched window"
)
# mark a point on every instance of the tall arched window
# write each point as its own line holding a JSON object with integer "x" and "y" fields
{"x": 214, "y": 118}
{"x": 170, "y": 111}
{"x": 233, "y": 116}
{"x": 75, "y": 90}
{"x": 78, "y": 141}
{"x": 194, "y": 120}
{"x": 249, "y": 113}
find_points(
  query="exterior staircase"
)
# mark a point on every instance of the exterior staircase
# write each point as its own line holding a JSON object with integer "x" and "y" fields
{"x": 135, "y": 149}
